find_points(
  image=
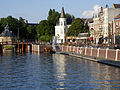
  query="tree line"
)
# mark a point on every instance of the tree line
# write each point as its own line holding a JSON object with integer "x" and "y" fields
{"x": 26, "y": 32}
{"x": 46, "y": 28}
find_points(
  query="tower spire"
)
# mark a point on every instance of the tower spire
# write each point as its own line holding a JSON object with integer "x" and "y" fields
{"x": 62, "y": 13}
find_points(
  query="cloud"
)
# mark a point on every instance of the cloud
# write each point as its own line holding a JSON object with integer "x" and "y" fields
{"x": 89, "y": 13}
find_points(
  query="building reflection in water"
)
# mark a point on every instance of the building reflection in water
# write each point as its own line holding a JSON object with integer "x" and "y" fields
{"x": 60, "y": 69}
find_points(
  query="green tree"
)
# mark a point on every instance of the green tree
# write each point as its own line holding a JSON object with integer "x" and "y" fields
{"x": 76, "y": 27}
{"x": 70, "y": 18}
{"x": 42, "y": 28}
{"x": 31, "y": 33}
{"x": 22, "y": 28}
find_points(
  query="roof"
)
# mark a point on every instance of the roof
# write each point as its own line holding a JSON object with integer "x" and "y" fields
{"x": 118, "y": 16}
{"x": 116, "y": 6}
{"x": 62, "y": 13}
{"x": 32, "y": 24}
{"x": 7, "y": 33}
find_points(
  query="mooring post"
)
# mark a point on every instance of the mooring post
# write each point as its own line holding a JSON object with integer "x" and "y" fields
{"x": 22, "y": 47}
{"x": 26, "y": 47}
{"x": 2, "y": 46}
{"x": 18, "y": 47}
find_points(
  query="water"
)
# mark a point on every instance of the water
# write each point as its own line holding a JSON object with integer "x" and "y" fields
{"x": 55, "y": 72}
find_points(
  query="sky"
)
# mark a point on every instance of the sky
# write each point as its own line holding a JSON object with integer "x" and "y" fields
{"x": 36, "y": 10}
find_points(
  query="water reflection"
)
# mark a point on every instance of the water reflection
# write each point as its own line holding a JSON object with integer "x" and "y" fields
{"x": 60, "y": 72}
{"x": 46, "y": 71}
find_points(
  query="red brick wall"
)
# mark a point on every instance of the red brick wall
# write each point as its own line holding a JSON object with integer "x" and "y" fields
{"x": 83, "y": 51}
{"x": 88, "y": 51}
{"x": 111, "y": 54}
{"x": 102, "y": 53}
{"x": 118, "y": 55}
{"x": 72, "y": 49}
{"x": 94, "y": 52}
{"x": 65, "y": 48}
{"x": 75, "y": 49}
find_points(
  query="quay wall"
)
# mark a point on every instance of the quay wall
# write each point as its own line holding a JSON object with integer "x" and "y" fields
{"x": 110, "y": 54}
{"x": 41, "y": 48}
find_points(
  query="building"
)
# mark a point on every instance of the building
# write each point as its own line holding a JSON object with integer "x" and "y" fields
{"x": 61, "y": 28}
{"x": 116, "y": 28}
{"x": 117, "y": 25}
{"x": 91, "y": 30}
{"x": 7, "y": 36}
{"x": 109, "y": 14}
{"x": 103, "y": 23}
{"x": 98, "y": 26}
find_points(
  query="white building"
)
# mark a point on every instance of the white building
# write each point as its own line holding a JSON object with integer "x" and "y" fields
{"x": 61, "y": 28}
{"x": 109, "y": 14}
{"x": 103, "y": 23}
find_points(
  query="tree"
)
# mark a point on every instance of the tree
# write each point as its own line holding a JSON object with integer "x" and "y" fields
{"x": 22, "y": 28}
{"x": 31, "y": 33}
{"x": 76, "y": 27}
{"x": 42, "y": 29}
{"x": 70, "y": 18}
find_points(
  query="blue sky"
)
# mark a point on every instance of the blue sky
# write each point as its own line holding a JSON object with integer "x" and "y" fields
{"x": 36, "y": 10}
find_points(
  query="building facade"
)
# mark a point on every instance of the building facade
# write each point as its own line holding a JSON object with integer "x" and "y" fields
{"x": 116, "y": 29}
{"x": 98, "y": 26}
{"x": 103, "y": 23}
{"x": 61, "y": 28}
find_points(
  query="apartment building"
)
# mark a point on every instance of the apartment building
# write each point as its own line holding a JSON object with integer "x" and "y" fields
{"x": 103, "y": 23}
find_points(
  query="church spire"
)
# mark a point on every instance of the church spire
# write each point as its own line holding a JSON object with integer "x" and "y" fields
{"x": 62, "y": 13}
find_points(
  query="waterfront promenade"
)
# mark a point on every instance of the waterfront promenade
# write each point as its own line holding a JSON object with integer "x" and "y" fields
{"x": 106, "y": 56}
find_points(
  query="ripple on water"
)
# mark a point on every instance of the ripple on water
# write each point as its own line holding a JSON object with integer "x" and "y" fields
{"x": 55, "y": 72}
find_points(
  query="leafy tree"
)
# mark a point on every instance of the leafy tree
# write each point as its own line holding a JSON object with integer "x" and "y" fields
{"x": 70, "y": 18}
{"x": 31, "y": 33}
{"x": 22, "y": 28}
{"x": 76, "y": 27}
{"x": 53, "y": 17}
{"x": 42, "y": 28}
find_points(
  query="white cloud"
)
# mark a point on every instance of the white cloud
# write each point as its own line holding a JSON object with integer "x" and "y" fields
{"x": 89, "y": 13}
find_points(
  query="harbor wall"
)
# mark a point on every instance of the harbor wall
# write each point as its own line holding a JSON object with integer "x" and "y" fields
{"x": 110, "y": 54}
{"x": 41, "y": 48}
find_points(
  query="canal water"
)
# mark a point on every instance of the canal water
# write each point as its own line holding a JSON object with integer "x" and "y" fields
{"x": 46, "y": 71}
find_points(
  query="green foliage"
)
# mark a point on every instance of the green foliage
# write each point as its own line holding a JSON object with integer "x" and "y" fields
{"x": 70, "y": 18}
{"x": 53, "y": 17}
{"x": 31, "y": 32}
{"x": 44, "y": 31}
{"x": 76, "y": 27}
{"x": 45, "y": 38}
{"x": 14, "y": 24}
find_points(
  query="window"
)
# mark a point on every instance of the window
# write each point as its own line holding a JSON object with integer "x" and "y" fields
{"x": 61, "y": 23}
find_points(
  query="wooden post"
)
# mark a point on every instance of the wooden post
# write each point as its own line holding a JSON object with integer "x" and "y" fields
{"x": 26, "y": 47}
{"x": 22, "y": 47}
{"x": 2, "y": 47}
{"x": 18, "y": 47}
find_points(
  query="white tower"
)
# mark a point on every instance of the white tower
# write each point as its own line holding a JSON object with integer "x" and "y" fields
{"x": 61, "y": 28}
